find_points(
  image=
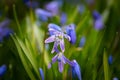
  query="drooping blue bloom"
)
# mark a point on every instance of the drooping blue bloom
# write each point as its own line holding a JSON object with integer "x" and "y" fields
{"x": 81, "y": 8}
{"x": 57, "y": 38}
{"x": 76, "y": 72}
{"x": 70, "y": 29}
{"x": 63, "y": 18}
{"x": 98, "y": 20}
{"x": 115, "y": 78}
{"x": 4, "y": 30}
{"x": 61, "y": 61}
{"x": 110, "y": 59}
{"x": 31, "y": 4}
{"x": 3, "y": 69}
{"x": 41, "y": 73}
{"x": 43, "y": 15}
{"x": 82, "y": 41}
{"x": 53, "y": 6}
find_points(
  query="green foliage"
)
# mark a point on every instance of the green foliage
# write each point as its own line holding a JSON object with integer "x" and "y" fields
{"x": 25, "y": 51}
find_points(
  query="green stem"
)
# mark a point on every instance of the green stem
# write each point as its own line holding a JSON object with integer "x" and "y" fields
{"x": 16, "y": 19}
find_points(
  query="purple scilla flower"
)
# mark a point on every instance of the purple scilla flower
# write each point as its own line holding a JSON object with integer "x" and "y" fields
{"x": 31, "y": 4}
{"x": 41, "y": 73}
{"x": 70, "y": 29}
{"x": 42, "y": 15}
{"x": 53, "y": 7}
{"x": 4, "y": 23}
{"x": 110, "y": 59}
{"x": 63, "y": 18}
{"x": 57, "y": 37}
{"x": 82, "y": 41}
{"x": 4, "y": 31}
{"x": 81, "y": 8}
{"x": 76, "y": 72}
{"x": 61, "y": 61}
{"x": 98, "y": 20}
{"x": 115, "y": 78}
{"x": 3, "y": 69}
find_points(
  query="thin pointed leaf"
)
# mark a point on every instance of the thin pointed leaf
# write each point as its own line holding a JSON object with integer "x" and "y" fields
{"x": 25, "y": 64}
{"x": 106, "y": 67}
{"x": 28, "y": 55}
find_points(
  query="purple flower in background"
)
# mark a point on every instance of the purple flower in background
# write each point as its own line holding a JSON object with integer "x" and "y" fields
{"x": 41, "y": 73}
{"x": 81, "y": 8}
{"x": 3, "y": 69}
{"x": 98, "y": 20}
{"x": 70, "y": 29}
{"x": 31, "y": 4}
{"x": 4, "y": 30}
{"x": 42, "y": 15}
{"x": 63, "y": 18}
{"x": 82, "y": 41}
{"x": 61, "y": 61}
{"x": 54, "y": 6}
{"x": 115, "y": 78}
{"x": 76, "y": 72}
{"x": 110, "y": 59}
{"x": 57, "y": 37}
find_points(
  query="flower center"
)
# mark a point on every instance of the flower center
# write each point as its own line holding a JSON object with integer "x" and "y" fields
{"x": 59, "y": 36}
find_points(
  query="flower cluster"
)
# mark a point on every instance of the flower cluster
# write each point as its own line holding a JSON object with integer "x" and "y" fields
{"x": 57, "y": 36}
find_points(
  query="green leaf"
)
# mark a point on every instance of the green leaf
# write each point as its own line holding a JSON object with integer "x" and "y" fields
{"x": 106, "y": 66}
{"x": 24, "y": 61}
{"x": 29, "y": 56}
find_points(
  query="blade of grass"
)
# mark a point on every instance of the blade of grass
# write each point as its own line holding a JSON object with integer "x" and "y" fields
{"x": 106, "y": 66}
{"x": 22, "y": 57}
{"x": 29, "y": 56}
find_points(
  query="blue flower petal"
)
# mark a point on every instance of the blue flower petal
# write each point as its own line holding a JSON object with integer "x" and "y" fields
{"x": 62, "y": 45}
{"x": 98, "y": 21}
{"x": 76, "y": 70}
{"x": 54, "y": 59}
{"x": 55, "y": 49}
{"x": 82, "y": 41}
{"x": 98, "y": 24}
{"x": 115, "y": 78}
{"x": 96, "y": 15}
{"x": 71, "y": 32}
{"x": 4, "y": 30}
{"x": 42, "y": 15}
{"x": 50, "y": 39}
{"x": 53, "y": 7}
{"x": 61, "y": 66}
{"x": 32, "y": 4}
{"x": 63, "y": 18}
{"x": 3, "y": 69}
{"x": 110, "y": 59}
{"x": 41, "y": 73}
{"x": 54, "y": 27}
